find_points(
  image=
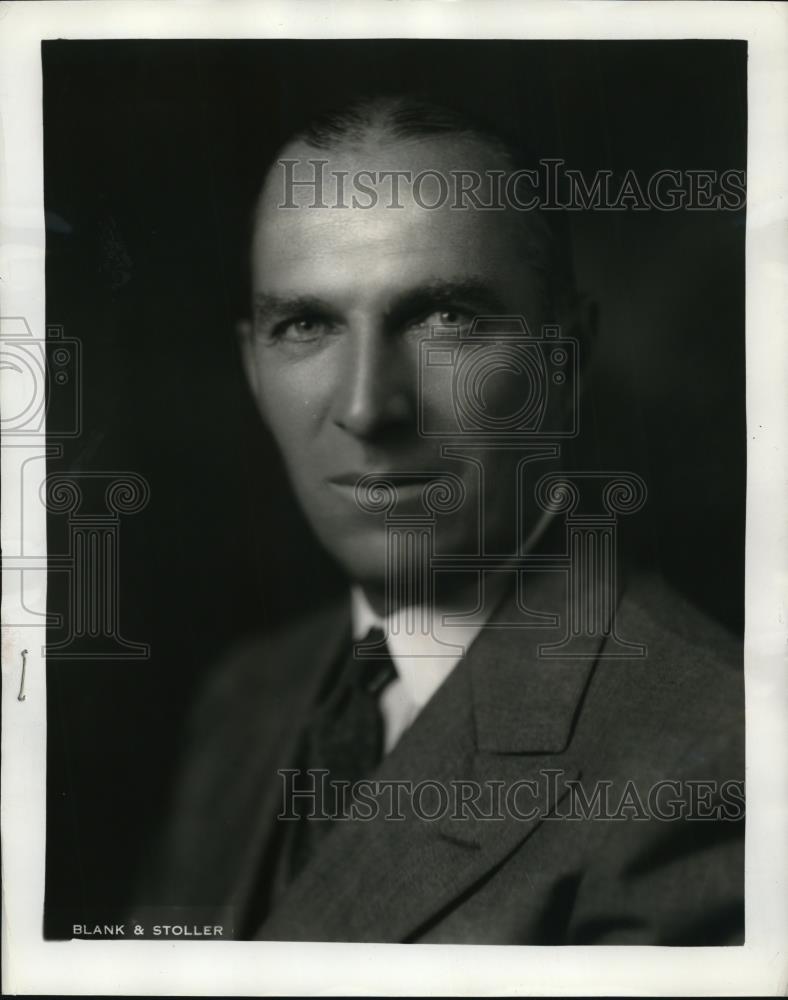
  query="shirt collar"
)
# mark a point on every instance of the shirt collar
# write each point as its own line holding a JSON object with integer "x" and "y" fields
{"x": 425, "y": 652}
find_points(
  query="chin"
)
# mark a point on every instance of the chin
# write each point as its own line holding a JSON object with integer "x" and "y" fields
{"x": 362, "y": 556}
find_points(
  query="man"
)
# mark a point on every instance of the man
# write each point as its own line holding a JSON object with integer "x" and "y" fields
{"x": 482, "y": 743}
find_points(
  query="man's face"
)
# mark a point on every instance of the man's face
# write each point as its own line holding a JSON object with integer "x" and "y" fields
{"x": 343, "y": 297}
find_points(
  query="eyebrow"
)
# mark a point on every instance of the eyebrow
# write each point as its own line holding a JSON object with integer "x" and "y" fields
{"x": 267, "y": 307}
{"x": 472, "y": 292}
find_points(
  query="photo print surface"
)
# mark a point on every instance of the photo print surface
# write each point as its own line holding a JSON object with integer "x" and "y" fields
{"x": 395, "y": 490}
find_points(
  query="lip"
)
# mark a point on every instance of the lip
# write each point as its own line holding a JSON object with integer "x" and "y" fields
{"x": 408, "y": 488}
{"x": 399, "y": 476}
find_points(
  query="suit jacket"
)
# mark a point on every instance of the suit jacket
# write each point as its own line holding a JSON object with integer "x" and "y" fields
{"x": 506, "y": 714}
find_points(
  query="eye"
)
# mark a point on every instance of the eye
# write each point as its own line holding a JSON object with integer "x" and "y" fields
{"x": 449, "y": 316}
{"x": 302, "y": 330}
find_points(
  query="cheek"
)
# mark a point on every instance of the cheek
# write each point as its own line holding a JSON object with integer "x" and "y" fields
{"x": 436, "y": 402}
{"x": 291, "y": 404}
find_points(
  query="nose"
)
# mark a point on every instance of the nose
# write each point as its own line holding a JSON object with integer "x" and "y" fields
{"x": 377, "y": 391}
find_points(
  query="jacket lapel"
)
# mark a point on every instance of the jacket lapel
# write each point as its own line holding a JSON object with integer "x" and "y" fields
{"x": 248, "y": 790}
{"x": 504, "y": 715}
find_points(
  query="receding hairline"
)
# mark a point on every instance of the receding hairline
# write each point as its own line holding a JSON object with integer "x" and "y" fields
{"x": 397, "y": 117}
{"x": 387, "y": 121}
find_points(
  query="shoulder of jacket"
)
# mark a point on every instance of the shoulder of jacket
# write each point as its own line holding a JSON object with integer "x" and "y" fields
{"x": 655, "y": 614}
{"x": 683, "y": 700}
{"x": 273, "y": 662}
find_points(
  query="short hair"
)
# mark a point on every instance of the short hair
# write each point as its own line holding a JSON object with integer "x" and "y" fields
{"x": 398, "y": 117}
{"x": 548, "y": 247}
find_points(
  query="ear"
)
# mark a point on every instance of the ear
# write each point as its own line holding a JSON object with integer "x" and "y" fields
{"x": 244, "y": 331}
{"x": 581, "y": 320}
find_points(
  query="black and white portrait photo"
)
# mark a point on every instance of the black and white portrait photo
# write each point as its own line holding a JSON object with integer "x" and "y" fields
{"x": 392, "y": 471}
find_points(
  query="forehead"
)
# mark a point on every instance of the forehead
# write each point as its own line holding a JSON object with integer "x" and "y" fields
{"x": 393, "y": 240}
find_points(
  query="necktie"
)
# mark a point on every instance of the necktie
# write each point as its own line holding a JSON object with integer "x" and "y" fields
{"x": 345, "y": 738}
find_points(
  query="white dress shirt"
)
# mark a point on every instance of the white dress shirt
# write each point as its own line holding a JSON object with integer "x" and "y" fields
{"x": 422, "y": 663}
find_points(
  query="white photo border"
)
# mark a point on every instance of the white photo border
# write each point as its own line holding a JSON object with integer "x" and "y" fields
{"x": 34, "y": 966}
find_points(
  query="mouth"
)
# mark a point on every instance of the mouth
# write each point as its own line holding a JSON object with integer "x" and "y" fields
{"x": 395, "y": 476}
{"x": 368, "y": 489}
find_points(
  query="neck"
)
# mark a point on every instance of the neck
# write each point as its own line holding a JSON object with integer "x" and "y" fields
{"x": 456, "y": 591}
{"x": 453, "y": 592}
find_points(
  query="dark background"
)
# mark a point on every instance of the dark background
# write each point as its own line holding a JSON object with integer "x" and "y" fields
{"x": 152, "y": 152}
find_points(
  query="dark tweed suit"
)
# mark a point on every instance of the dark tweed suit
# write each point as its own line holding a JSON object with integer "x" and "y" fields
{"x": 504, "y": 714}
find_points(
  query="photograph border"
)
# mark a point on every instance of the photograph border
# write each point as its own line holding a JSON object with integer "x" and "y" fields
{"x": 32, "y": 965}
